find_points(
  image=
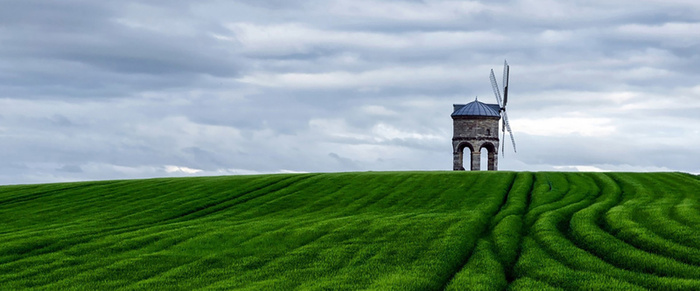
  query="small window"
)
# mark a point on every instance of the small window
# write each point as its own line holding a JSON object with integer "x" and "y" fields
{"x": 488, "y": 132}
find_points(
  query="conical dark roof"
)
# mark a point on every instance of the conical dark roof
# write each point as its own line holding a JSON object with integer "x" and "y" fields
{"x": 476, "y": 108}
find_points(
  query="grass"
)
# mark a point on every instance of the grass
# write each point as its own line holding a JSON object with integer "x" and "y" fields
{"x": 349, "y": 231}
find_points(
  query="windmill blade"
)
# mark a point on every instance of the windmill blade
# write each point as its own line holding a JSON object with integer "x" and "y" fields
{"x": 505, "y": 121}
{"x": 503, "y": 144}
{"x": 506, "y": 76}
{"x": 505, "y": 73}
{"x": 496, "y": 91}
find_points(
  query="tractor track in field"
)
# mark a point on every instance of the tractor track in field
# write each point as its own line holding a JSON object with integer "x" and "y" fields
{"x": 623, "y": 270}
{"x": 635, "y": 225}
{"x": 242, "y": 198}
{"x": 420, "y": 231}
{"x": 509, "y": 268}
{"x": 486, "y": 231}
{"x": 39, "y": 194}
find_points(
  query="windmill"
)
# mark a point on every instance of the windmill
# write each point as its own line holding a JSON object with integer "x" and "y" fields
{"x": 475, "y": 127}
{"x": 502, "y": 104}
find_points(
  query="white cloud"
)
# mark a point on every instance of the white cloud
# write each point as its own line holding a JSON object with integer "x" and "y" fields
{"x": 186, "y": 170}
{"x": 377, "y": 110}
{"x": 284, "y": 171}
{"x": 336, "y": 128}
{"x": 382, "y": 132}
{"x": 558, "y": 126}
{"x": 379, "y": 133}
{"x": 582, "y": 168}
{"x": 556, "y": 36}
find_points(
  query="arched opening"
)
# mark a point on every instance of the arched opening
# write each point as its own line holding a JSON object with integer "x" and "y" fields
{"x": 483, "y": 159}
{"x": 488, "y": 156}
{"x": 459, "y": 156}
{"x": 482, "y": 156}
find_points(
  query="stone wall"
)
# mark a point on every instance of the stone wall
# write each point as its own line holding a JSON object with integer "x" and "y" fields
{"x": 471, "y": 133}
{"x": 475, "y": 127}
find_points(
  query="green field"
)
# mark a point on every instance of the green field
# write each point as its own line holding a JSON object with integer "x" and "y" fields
{"x": 348, "y": 231}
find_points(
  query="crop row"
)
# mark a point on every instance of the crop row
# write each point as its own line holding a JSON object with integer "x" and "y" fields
{"x": 607, "y": 234}
{"x": 280, "y": 232}
{"x": 383, "y": 231}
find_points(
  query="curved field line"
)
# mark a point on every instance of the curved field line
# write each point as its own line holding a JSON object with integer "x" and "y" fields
{"x": 233, "y": 201}
{"x": 590, "y": 237}
{"x": 486, "y": 261}
{"x": 60, "y": 243}
{"x": 686, "y": 213}
{"x": 239, "y": 241}
{"x": 463, "y": 274}
{"x": 282, "y": 257}
{"x": 103, "y": 250}
{"x": 483, "y": 270}
{"x": 667, "y": 224}
{"x": 635, "y": 223}
{"x": 544, "y": 187}
{"x": 550, "y": 237}
{"x": 537, "y": 263}
{"x": 508, "y": 231}
{"x": 85, "y": 239}
{"x": 527, "y": 283}
{"x": 127, "y": 257}
{"x": 30, "y": 195}
{"x": 551, "y": 227}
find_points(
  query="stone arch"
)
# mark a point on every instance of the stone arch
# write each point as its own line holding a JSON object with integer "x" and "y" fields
{"x": 474, "y": 154}
{"x": 459, "y": 147}
{"x": 465, "y": 144}
{"x": 488, "y": 146}
{"x": 492, "y": 155}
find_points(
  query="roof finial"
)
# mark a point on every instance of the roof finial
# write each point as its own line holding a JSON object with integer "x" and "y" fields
{"x": 476, "y": 98}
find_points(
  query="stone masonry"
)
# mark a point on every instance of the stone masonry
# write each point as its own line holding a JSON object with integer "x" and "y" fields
{"x": 475, "y": 133}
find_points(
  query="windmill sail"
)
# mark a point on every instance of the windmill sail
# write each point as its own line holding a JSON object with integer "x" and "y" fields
{"x": 503, "y": 145}
{"x": 496, "y": 90}
{"x": 506, "y": 75}
{"x": 510, "y": 132}
{"x": 502, "y": 103}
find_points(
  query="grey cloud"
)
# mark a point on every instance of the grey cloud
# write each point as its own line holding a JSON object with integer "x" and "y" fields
{"x": 344, "y": 162}
{"x": 104, "y": 90}
{"x": 70, "y": 169}
{"x": 76, "y": 48}
{"x": 61, "y": 120}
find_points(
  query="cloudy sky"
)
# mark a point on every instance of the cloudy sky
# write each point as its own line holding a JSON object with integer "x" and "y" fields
{"x": 132, "y": 89}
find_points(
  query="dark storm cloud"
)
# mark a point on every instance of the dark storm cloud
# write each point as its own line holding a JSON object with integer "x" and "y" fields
{"x": 129, "y": 89}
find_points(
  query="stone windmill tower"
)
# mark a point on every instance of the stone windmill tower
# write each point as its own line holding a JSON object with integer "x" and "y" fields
{"x": 476, "y": 126}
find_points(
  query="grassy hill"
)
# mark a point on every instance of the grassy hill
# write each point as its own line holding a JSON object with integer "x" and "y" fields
{"x": 380, "y": 231}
